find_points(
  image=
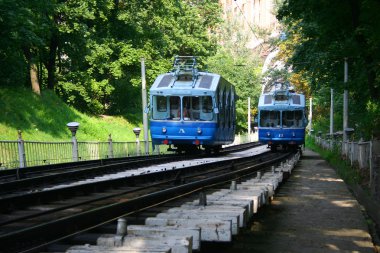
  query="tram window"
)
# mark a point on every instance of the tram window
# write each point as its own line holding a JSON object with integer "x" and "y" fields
{"x": 275, "y": 119}
{"x": 298, "y": 115}
{"x": 186, "y": 108}
{"x": 288, "y": 119}
{"x": 161, "y": 104}
{"x": 195, "y": 114}
{"x": 292, "y": 118}
{"x": 206, "y": 104}
{"x": 206, "y": 112}
{"x": 174, "y": 103}
{"x": 175, "y": 108}
{"x": 263, "y": 116}
{"x": 228, "y": 110}
{"x": 195, "y": 103}
{"x": 269, "y": 118}
{"x": 159, "y": 108}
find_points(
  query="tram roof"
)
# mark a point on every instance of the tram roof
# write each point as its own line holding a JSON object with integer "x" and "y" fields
{"x": 204, "y": 82}
{"x": 291, "y": 101}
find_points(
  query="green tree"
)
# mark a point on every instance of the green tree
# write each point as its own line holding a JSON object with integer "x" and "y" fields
{"x": 101, "y": 73}
{"x": 88, "y": 51}
{"x": 240, "y": 66}
{"x": 327, "y": 32}
{"x": 23, "y": 33}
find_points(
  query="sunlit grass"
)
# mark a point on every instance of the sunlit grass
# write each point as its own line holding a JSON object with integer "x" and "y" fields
{"x": 44, "y": 118}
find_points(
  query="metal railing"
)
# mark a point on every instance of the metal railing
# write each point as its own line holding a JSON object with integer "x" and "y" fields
{"x": 17, "y": 154}
{"x": 360, "y": 153}
{"x": 20, "y": 153}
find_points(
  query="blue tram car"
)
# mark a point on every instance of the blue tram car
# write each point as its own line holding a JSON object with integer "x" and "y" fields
{"x": 190, "y": 110}
{"x": 281, "y": 118}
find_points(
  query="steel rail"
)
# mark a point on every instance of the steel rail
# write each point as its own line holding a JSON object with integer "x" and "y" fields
{"x": 20, "y": 173}
{"x": 58, "y": 176}
{"x": 50, "y": 176}
{"x": 91, "y": 218}
{"x": 18, "y": 201}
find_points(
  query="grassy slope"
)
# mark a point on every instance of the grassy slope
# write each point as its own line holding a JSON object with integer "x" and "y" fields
{"x": 44, "y": 118}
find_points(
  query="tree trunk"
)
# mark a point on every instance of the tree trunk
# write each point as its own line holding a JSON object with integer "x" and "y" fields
{"x": 33, "y": 71}
{"x": 34, "y": 78}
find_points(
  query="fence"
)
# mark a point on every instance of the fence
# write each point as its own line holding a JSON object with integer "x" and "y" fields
{"x": 360, "y": 153}
{"x": 20, "y": 153}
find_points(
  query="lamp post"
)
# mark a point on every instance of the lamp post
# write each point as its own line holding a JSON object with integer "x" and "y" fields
{"x": 331, "y": 117}
{"x": 144, "y": 105}
{"x": 249, "y": 119}
{"x": 137, "y": 131}
{"x": 345, "y": 101}
{"x": 331, "y": 111}
{"x": 21, "y": 151}
{"x": 73, "y": 127}
{"x": 110, "y": 147}
{"x": 349, "y": 131}
{"x": 310, "y": 115}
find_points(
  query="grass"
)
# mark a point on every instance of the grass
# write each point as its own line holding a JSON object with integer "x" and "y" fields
{"x": 343, "y": 167}
{"x": 44, "y": 118}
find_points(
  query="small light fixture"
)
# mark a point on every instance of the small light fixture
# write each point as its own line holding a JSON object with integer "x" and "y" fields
{"x": 73, "y": 127}
{"x": 137, "y": 131}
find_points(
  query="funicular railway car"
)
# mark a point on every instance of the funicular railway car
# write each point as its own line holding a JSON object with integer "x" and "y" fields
{"x": 281, "y": 119}
{"x": 190, "y": 109}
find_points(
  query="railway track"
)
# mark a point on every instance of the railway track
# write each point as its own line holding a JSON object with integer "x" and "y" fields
{"x": 33, "y": 177}
{"x": 58, "y": 213}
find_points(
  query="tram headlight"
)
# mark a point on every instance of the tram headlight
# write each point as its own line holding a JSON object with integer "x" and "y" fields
{"x": 164, "y": 130}
{"x": 199, "y": 130}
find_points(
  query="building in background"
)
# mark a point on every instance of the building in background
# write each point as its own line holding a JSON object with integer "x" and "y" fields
{"x": 253, "y": 15}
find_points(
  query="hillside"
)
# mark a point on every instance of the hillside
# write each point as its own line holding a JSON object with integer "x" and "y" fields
{"x": 44, "y": 118}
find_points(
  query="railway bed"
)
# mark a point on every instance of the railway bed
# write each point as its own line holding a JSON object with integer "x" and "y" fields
{"x": 24, "y": 192}
{"x": 312, "y": 212}
{"x": 186, "y": 223}
{"x": 31, "y": 178}
{"x": 73, "y": 214}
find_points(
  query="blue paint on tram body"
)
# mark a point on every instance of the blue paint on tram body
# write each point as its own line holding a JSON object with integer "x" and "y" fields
{"x": 282, "y": 119}
{"x": 190, "y": 109}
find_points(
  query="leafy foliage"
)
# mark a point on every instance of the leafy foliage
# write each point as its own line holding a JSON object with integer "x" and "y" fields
{"x": 88, "y": 51}
{"x": 236, "y": 63}
{"x": 321, "y": 35}
{"x": 23, "y": 29}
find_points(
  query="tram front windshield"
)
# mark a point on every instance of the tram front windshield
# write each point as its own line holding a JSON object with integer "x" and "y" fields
{"x": 285, "y": 119}
{"x": 270, "y": 119}
{"x": 186, "y": 108}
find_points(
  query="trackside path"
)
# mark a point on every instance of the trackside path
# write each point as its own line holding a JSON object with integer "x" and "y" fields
{"x": 312, "y": 212}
